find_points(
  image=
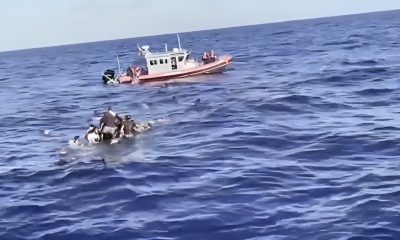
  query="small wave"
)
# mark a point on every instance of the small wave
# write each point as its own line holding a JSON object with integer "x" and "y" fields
{"x": 286, "y": 43}
{"x": 278, "y": 107}
{"x": 19, "y": 211}
{"x": 318, "y": 50}
{"x": 356, "y": 35}
{"x": 338, "y": 43}
{"x": 378, "y": 232}
{"x": 367, "y": 70}
{"x": 298, "y": 99}
{"x": 374, "y": 91}
{"x": 93, "y": 62}
{"x": 335, "y": 78}
{"x": 356, "y": 46}
{"x": 331, "y": 106}
{"x": 282, "y": 33}
{"x": 387, "y": 146}
{"x": 387, "y": 128}
{"x": 365, "y": 62}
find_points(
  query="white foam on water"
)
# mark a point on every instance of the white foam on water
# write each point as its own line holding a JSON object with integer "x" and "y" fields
{"x": 96, "y": 119}
{"x": 145, "y": 106}
{"x": 164, "y": 120}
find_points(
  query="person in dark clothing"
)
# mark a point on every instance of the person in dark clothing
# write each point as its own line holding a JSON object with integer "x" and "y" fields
{"x": 127, "y": 127}
{"x": 108, "y": 123}
{"x": 118, "y": 129}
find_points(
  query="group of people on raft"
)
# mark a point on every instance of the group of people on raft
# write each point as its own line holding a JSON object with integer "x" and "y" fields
{"x": 112, "y": 126}
{"x": 209, "y": 57}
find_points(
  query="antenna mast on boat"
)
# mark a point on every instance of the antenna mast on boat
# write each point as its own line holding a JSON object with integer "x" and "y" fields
{"x": 119, "y": 66}
{"x": 179, "y": 42}
{"x": 166, "y": 48}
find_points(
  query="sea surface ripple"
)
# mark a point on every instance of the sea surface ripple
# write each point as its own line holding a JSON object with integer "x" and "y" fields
{"x": 299, "y": 139}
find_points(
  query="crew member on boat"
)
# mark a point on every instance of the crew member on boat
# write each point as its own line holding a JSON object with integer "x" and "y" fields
{"x": 205, "y": 57}
{"x": 129, "y": 72}
{"x": 137, "y": 71}
{"x": 213, "y": 56}
{"x": 209, "y": 57}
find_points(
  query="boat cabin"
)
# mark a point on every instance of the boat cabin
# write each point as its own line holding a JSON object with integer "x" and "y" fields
{"x": 168, "y": 61}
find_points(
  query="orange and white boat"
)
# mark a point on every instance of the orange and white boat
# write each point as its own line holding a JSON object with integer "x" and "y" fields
{"x": 161, "y": 66}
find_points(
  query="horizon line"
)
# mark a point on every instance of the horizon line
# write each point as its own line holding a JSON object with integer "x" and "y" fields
{"x": 193, "y": 31}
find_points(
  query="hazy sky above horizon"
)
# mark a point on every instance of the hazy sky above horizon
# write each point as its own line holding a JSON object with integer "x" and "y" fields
{"x": 39, "y": 23}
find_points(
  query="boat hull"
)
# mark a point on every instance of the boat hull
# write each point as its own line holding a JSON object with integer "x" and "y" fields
{"x": 209, "y": 68}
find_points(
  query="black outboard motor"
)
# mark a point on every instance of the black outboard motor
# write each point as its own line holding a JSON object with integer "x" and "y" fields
{"x": 109, "y": 75}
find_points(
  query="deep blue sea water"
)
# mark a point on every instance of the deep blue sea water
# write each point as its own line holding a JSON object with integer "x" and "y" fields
{"x": 299, "y": 139}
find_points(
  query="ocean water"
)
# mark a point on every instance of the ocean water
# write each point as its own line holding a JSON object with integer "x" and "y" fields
{"x": 299, "y": 139}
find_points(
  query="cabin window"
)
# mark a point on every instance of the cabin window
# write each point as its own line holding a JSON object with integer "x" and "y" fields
{"x": 166, "y": 61}
{"x": 180, "y": 59}
{"x": 161, "y": 61}
{"x": 151, "y": 62}
{"x": 155, "y": 62}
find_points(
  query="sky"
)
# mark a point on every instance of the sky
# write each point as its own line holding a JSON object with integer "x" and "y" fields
{"x": 40, "y": 23}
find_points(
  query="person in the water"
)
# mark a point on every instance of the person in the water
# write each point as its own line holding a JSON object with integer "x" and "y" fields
{"x": 93, "y": 135}
{"x": 108, "y": 123}
{"x": 75, "y": 142}
{"x": 127, "y": 127}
